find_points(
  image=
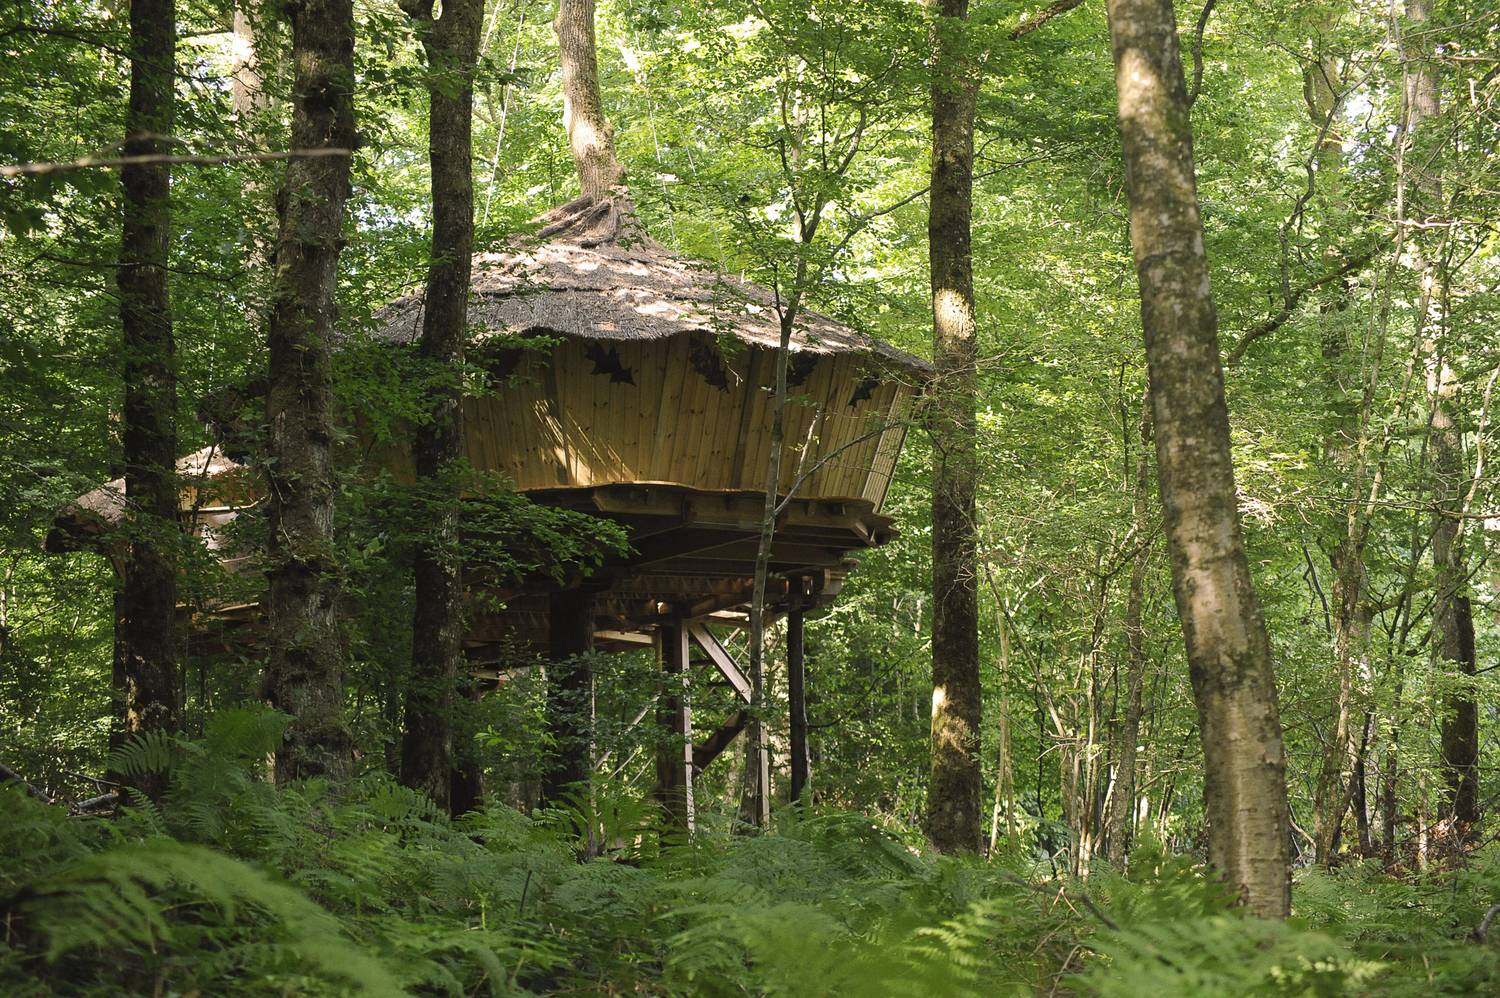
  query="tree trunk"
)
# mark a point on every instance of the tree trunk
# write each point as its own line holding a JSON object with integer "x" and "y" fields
{"x": 1005, "y": 778}
{"x": 304, "y": 672}
{"x": 590, "y": 135}
{"x": 146, "y": 608}
{"x": 245, "y": 92}
{"x": 1351, "y": 616}
{"x": 1122, "y": 811}
{"x": 1452, "y": 612}
{"x": 1228, "y": 651}
{"x": 953, "y": 811}
{"x": 452, "y": 45}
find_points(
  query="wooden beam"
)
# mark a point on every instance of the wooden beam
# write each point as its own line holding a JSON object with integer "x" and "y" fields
{"x": 721, "y": 659}
{"x": 711, "y": 747}
{"x": 674, "y": 760}
{"x": 796, "y": 673}
{"x": 623, "y": 638}
{"x": 680, "y": 544}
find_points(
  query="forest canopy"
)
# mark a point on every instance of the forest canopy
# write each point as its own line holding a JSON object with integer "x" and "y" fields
{"x": 749, "y": 497}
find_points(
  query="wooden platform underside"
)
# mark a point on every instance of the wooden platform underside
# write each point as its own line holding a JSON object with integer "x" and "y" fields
{"x": 692, "y": 558}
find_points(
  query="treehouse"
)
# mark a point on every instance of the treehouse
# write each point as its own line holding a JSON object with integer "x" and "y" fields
{"x": 635, "y": 385}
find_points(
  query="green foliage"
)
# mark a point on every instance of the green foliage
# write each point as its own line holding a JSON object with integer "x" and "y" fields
{"x": 234, "y": 885}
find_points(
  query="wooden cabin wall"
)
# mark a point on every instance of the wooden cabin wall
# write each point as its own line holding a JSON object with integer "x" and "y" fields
{"x": 583, "y": 420}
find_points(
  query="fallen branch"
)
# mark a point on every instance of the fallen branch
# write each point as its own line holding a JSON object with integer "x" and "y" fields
{"x": 8, "y": 774}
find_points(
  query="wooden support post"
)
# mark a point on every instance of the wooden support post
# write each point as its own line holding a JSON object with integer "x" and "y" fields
{"x": 570, "y": 691}
{"x": 674, "y": 760}
{"x": 796, "y": 680}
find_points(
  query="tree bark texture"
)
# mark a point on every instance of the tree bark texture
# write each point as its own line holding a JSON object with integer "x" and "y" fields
{"x": 145, "y": 663}
{"x": 674, "y": 759}
{"x": 1123, "y": 802}
{"x": 590, "y": 135}
{"x": 304, "y": 673}
{"x": 245, "y": 92}
{"x": 452, "y": 46}
{"x": 1228, "y": 651}
{"x": 953, "y": 794}
{"x": 1334, "y": 791}
{"x": 1452, "y": 611}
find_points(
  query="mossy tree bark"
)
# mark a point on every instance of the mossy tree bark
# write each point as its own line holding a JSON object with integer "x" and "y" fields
{"x": 451, "y": 43}
{"x": 953, "y": 805}
{"x": 304, "y": 675}
{"x": 1229, "y": 653}
{"x": 1452, "y": 610}
{"x": 145, "y": 662}
{"x": 1342, "y": 764}
{"x": 590, "y": 135}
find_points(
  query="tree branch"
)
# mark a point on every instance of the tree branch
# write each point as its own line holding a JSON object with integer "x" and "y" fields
{"x": 1208, "y": 8}
{"x": 1044, "y": 15}
{"x": 1289, "y": 305}
{"x": 115, "y": 163}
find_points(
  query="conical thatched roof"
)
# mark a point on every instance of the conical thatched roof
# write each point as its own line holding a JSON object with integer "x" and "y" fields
{"x": 593, "y": 273}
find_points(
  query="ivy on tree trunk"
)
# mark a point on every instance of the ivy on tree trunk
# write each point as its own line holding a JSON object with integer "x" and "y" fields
{"x": 304, "y": 674}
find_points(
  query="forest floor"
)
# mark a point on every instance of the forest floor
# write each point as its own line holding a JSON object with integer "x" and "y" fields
{"x": 234, "y": 886}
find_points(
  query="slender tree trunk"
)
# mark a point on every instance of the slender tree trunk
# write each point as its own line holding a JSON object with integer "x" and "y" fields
{"x": 1122, "y": 813}
{"x": 590, "y": 135}
{"x": 452, "y": 45}
{"x": 1452, "y": 611}
{"x": 1229, "y": 653}
{"x": 304, "y": 673}
{"x": 146, "y": 607}
{"x": 245, "y": 92}
{"x": 953, "y": 794}
{"x": 1005, "y": 780}
{"x": 1351, "y": 617}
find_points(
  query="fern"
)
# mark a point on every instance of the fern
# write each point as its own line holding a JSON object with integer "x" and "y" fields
{"x": 147, "y": 897}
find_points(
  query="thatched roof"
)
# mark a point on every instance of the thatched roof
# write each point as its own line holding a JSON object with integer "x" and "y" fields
{"x": 593, "y": 273}
{"x": 94, "y": 512}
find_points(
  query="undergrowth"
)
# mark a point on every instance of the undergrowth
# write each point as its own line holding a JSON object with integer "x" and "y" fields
{"x": 234, "y": 886}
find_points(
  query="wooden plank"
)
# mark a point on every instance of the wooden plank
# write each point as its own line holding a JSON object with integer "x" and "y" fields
{"x": 658, "y": 463}
{"x": 720, "y": 420}
{"x": 559, "y": 416}
{"x": 796, "y": 673}
{"x": 688, "y": 439}
{"x": 749, "y": 388}
{"x": 715, "y": 744}
{"x": 758, "y": 447}
{"x": 721, "y": 659}
{"x": 674, "y": 764}
{"x": 644, "y": 361}
{"x": 539, "y": 460}
{"x": 878, "y": 482}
